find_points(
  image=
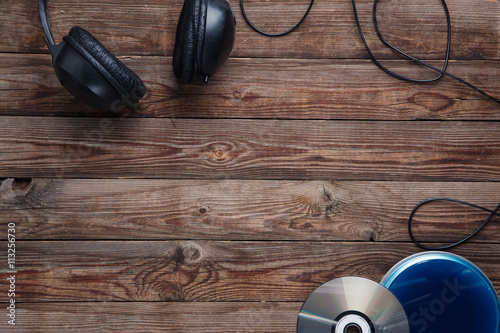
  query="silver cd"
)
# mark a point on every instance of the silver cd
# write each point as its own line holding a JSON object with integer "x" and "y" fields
{"x": 352, "y": 304}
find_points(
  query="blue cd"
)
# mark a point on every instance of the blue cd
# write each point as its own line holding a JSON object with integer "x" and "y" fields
{"x": 443, "y": 292}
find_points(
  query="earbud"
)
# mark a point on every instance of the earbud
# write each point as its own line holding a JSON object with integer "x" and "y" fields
{"x": 204, "y": 39}
{"x": 89, "y": 71}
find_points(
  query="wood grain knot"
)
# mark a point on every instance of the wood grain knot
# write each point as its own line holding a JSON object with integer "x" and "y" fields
{"x": 299, "y": 225}
{"x": 21, "y": 184}
{"x": 431, "y": 101}
{"x": 11, "y": 188}
{"x": 220, "y": 151}
{"x": 246, "y": 96}
{"x": 319, "y": 199}
{"x": 188, "y": 254}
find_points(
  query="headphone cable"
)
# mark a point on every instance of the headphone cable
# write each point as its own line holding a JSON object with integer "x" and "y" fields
{"x": 385, "y": 69}
{"x": 379, "y": 34}
{"x": 425, "y": 247}
{"x": 269, "y": 34}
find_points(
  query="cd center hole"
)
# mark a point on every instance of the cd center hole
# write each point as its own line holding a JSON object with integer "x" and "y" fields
{"x": 352, "y": 328}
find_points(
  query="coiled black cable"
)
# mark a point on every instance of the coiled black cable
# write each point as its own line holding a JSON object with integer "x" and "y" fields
{"x": 402, "y": 77}
{"x": 379, "y": 34}
{"x": 425, "y": 247}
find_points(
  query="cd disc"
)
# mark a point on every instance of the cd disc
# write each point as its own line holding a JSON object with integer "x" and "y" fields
{"x": 444, "y": 292}
{"x": 352, "y": 304}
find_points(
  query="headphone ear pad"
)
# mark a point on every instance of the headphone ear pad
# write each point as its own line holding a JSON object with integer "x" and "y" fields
{"x": 130, "y": 83}
{"x": 189, "y": 40}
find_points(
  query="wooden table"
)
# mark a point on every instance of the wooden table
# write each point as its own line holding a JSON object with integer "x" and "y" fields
{"x": 219, "y": 208}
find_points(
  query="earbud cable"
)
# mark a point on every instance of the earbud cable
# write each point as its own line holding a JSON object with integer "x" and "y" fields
{"x": 425, "y": 247}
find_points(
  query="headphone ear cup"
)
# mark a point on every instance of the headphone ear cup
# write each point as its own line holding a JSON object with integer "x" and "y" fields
{"x": 189, "y": 40}
{"x": 89, "y": 47}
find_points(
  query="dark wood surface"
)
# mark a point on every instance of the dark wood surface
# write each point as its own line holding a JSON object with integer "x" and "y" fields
{"x": 220, "y": 208}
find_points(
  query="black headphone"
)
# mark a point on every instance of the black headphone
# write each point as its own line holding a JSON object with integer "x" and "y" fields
{"x": 89, "y": 71}
{"x": 204, "y": 39}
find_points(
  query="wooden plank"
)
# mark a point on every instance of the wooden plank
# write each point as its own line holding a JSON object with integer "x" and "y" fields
{"x": 148, "y": 27}
{"x": 248, "y": 149}
{"x": 221, "y": 224}
{"x": 205, "y": 270}
{"x": 45, "y": 209}
{"x": 268, "y": 88}
{"x": 206, "y": 317}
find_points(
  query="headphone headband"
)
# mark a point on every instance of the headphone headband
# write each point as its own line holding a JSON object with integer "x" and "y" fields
{"x": 88, "y": 70}
{"x": 43, "y": 9}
